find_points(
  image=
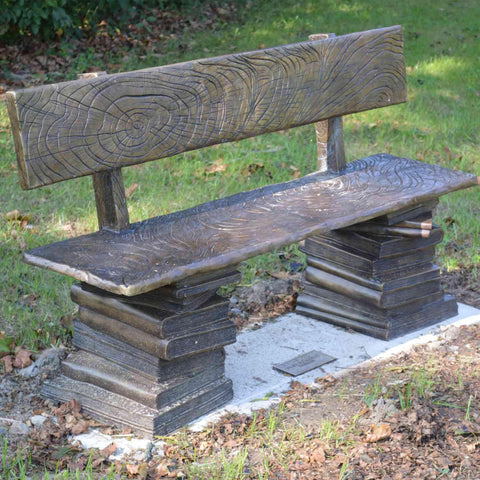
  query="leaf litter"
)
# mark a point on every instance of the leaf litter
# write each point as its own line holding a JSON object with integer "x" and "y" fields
{"x": 415, "y": 415}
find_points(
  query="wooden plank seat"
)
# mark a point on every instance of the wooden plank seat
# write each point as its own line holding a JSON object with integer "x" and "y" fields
{"x": 151, "y": 328}
{"x": 218, "y": 234}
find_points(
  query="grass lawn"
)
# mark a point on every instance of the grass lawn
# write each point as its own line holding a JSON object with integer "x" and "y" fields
{"x": 439, "y": 124}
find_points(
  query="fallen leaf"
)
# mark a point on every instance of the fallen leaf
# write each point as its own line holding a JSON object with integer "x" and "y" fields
{"x": 107, "y": 451}
{"x": 132, "y": 469}
{"x": 137, "y": 471}
{"x": 253, "y": 168}
{"x": 22, "y": 358}
{"x": 16, "y": 216}
{"x": 129, "y": 191}
{"x": 231, "y": 443}
{"x": 299, "y": 466}
{"x": 8, "y": 363}
{"x": 71, "y": 407}
{"x": 378, "y": 432}
{"x": 295, "y": 171}
{"x": 161, "y": 470}
{"x": 70, "y": 421}
{"x": 317, "y": 456}
{"x": 81, "y": 427}
{"x": 79, "y": 464}
{"x": 215, "y": 167}
{"x": 74, "y": 405}
{"x": 449, "y": 153}
{"x": 282, "y": 275}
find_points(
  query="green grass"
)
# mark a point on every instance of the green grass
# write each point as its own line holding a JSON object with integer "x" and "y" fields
{"x": 439, "y": 124}
{"x": 19, "y": 467}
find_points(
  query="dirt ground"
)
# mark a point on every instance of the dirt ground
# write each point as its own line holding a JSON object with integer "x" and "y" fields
{"x": 416, "y": 415}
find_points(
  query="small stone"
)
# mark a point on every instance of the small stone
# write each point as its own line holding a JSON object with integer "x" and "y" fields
{"x": 19, "y": 428}
{"x": 94, "y": 439}
{"x": 236, "y": 311}
{"x": 38, "y": 420}
{"x": 51, "y": 358}
{"x": 3, "y": 431}
{"x": 159, "y": 448}
{"x": 451, "y": 333}
{"x": 233, "y": 300}
{"x": 29, "y": 372}
{"x": 140, "y": 456}
{"x": 133, "y": 446}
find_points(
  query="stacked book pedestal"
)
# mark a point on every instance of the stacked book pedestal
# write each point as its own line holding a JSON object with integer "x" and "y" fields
{"x": 384, "y": 285}
{"x": 153, "y": 362}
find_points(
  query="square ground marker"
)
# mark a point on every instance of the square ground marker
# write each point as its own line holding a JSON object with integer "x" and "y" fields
{"x": 304, "y": 363}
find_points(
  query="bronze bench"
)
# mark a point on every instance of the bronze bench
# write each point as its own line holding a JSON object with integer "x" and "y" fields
{"x": 151, "y": 328}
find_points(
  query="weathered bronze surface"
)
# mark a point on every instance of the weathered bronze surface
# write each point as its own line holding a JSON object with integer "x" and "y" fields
{"x": 211, "y": 336}
{"x": 384, "y": 286}
{"x": 120, "y": 410}
{"x": 393, "y": 326}
{"x": 159, "y": 323}
{"x": 330, "y": 146}
{"x": 373, "y": 246}
{"x": 136, "y": 355}
{"x": 139, "y": 361}
{"x": 166, "y": 249}
{"x": 304, "y": 363}
{"x": 84, "y": 126}
{"x": 89, "y": 368}
{"x": 151, "y": 328}
{"x": 110, "y": 199}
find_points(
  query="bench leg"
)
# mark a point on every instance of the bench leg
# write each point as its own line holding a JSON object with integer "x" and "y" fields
{"x": 153, "y": 362}
{"x": 377, "y": 277}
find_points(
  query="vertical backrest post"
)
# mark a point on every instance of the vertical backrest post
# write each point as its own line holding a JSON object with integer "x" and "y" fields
{"x": 109, "y": 189}
{"x": 331, "y": 150}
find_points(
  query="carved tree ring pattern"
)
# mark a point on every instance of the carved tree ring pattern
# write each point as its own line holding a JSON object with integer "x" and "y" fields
{"x": 208, "y": 237}
{"x": 77, "y": 128}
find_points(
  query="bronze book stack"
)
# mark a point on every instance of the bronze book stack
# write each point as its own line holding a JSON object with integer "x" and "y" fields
{"x": 377, "y": 277}
{"x": 152, "y": 362}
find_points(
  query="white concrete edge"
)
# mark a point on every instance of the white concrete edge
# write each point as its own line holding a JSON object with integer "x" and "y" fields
{"x": 422, "y": 338}
{"x": 442, "y": 328}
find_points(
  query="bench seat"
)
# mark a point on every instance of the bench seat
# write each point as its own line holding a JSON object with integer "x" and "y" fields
{"x": 166, "y": 249}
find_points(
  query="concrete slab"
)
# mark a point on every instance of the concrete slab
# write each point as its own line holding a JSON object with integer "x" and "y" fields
{"x": 250, "y": 360}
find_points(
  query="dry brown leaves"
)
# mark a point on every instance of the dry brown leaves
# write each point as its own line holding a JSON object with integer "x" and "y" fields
{"x": 21, "y": 358}
{"x": 271, "y": 304}
{"x": 49, "y": 443}
{"x": 462, "y": 282}
{"x": 378, "y": 432}
{"x": 31, "y": 62}
{"x": 129, "y": 191}
{"x": 215, "y": 167}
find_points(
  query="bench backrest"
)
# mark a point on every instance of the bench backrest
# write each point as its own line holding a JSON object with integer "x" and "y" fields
{"x": 86, "y": 126}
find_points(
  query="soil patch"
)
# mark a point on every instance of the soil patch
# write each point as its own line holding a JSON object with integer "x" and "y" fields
{"x": 416, "y": 415}
{"x": 30, "y": 62}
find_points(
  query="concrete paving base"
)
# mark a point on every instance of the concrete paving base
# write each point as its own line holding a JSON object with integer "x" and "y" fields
{"x": 249, "y": 362}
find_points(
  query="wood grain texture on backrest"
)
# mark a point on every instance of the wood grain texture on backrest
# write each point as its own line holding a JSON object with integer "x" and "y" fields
{"x": 76, "y": 128}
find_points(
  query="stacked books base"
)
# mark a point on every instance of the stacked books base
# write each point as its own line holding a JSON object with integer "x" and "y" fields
{"x": 384, "y": 285}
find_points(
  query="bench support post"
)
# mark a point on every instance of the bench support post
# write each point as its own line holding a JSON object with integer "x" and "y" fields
{"x": 331, "y": 149}
{"x": 152, "y": 362}
{"x": 110, "y": 196}
{"x": 377, "y": 277}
